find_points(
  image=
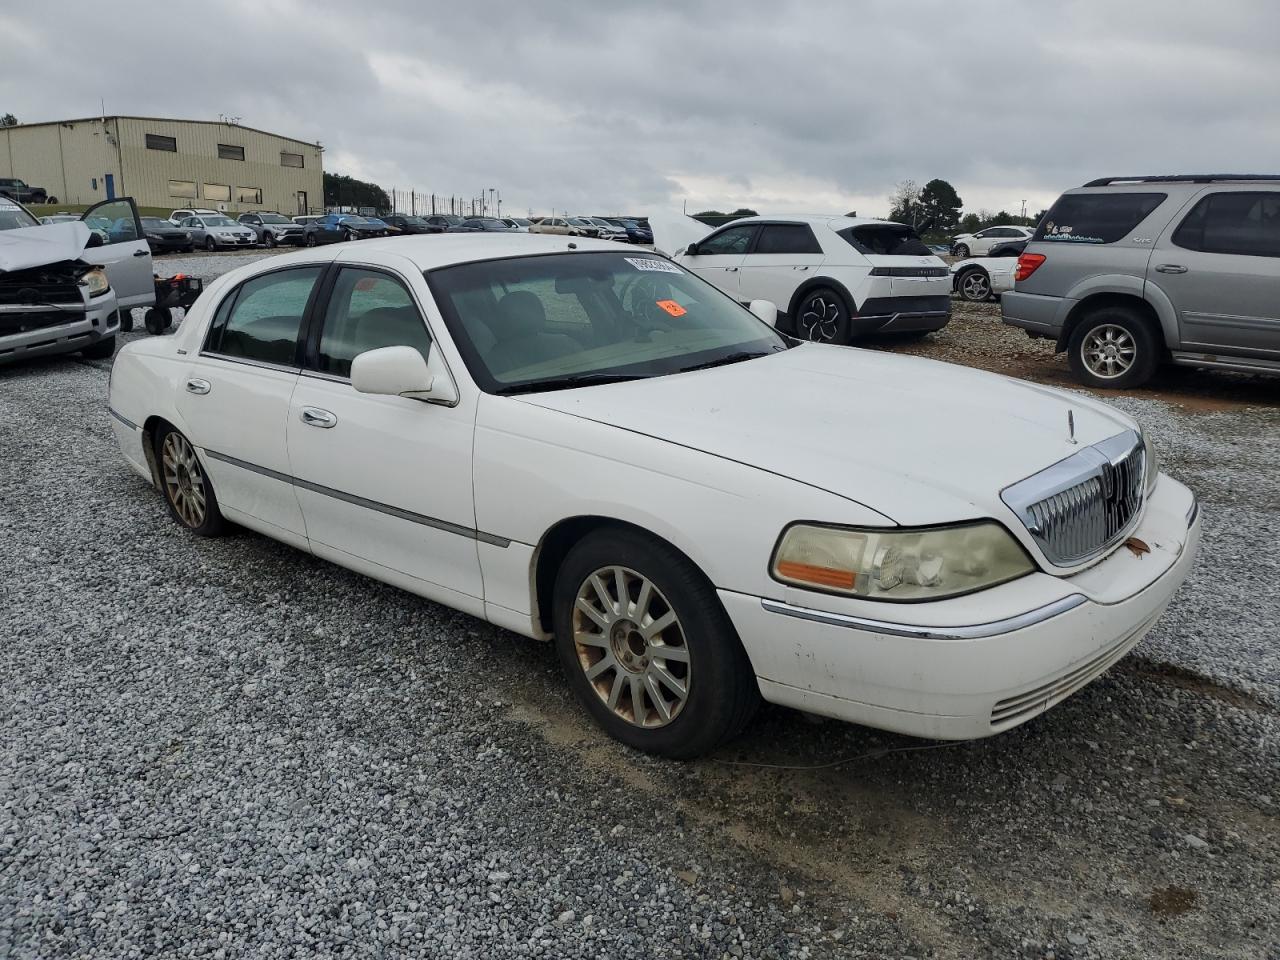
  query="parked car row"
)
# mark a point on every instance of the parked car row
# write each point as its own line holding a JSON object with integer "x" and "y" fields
{"x": 603, "y": 228}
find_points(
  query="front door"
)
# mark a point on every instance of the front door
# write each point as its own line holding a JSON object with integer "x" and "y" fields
{"x": 785, "y": 255}
{"x": 385, "y": 480}
{"x": 234, "y": 398}
{"x": 1220, "y": 266}
{"x": 124, "y": 251}
{"x": 719, "y": 257}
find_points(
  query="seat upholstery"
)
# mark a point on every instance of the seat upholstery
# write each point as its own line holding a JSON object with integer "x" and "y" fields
{"x": 520, "y": 327}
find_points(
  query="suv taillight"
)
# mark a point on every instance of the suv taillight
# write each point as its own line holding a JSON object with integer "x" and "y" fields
{"x": 1028, "y": 263}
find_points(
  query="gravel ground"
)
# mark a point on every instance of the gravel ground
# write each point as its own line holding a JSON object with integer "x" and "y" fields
{"x": 230, "y": 749}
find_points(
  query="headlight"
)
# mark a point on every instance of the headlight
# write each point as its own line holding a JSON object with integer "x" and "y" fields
{"x": 899, "y": 565}
{"x": 1152, "y": 463}
{"x": 96, "y": 281}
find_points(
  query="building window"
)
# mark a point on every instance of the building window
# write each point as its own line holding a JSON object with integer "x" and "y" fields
{"x": 182, "y": 188}
{"x": 249, "y": 195}
{"x": 228, "y": 152}
{"x": 157, "y": 142}
{"x": 290, "y": 159}
{"x": 217, "y": 191}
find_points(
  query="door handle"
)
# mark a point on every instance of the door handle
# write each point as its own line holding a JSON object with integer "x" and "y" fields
{"x": 1171, "y": 268}
{"x": 141, "y": 253}
{"x": 730, "y": 269}
{"x": 196, "y": 385}
{"x": 800, "y": 268}
{"x": 315, "y": 417}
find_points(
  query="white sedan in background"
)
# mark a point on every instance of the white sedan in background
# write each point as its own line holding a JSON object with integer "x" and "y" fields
{"x": 984, "y": 278}
{"x": 979, "y": 244}
{"x": 595, "y": 447}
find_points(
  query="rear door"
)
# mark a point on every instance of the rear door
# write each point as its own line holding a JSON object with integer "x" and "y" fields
{"x": 235, "y": 396}
{"x": 1220, "y": 266}
{"x": 719, "y": 257}
{"x": 783, "y": 257}
{"x": 125, "y": 253}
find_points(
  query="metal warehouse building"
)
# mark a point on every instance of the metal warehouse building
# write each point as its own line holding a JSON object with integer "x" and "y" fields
{"x": 165, "y": 163}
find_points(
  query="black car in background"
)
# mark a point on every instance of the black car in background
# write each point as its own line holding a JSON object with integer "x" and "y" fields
{"x": 443, "y": 221}
{"x": 402, "y": 223}
{"x": 163, "y": 236}
{"x": 335, "y": 227}
{"x": 481, "y": 225}
{"x": 636, "y": 232}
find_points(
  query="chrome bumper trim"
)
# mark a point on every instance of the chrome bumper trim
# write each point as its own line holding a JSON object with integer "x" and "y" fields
{"x": 128, "y": 423}
{"x": 964, "y": 632}
{"x": 1193, "y": 511}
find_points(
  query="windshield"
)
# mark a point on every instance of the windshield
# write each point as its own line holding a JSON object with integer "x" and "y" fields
{"x": 542, "y": 322}
{"x": 416, "y": 221}
{"x": 353, "y": 220}
{"x": 274, "y": 218}
{"x": 220, "y": 222}
{"x": 155, "y": 223}
{"x": 579, "y": 222}
{"x": 13, "y": 217}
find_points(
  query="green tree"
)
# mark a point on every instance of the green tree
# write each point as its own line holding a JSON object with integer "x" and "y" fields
{"x": 8, "y": 120}
{"x": 711, "y": 213}
{"x": 341, "y": 190}
{"x": 970, "y": 223}
{"x": 940, "y": 205}
{"x": 744, "y": 212}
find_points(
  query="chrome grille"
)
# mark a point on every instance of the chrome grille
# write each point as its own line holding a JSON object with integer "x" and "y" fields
{"x": 1078, "y": 508}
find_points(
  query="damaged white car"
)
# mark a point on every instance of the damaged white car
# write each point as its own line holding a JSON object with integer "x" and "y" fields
{"x": 834, "y": 279}
{"x": 62, "y": 286}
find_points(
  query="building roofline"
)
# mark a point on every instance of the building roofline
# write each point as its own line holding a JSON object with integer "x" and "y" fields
{"x": 127, "y": 116}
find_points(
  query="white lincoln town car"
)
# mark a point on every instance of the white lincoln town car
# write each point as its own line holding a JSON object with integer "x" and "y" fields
{"x": 596, "y": 447}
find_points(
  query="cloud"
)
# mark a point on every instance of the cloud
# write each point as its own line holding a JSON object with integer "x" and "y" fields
{"x": 601, "y": 107}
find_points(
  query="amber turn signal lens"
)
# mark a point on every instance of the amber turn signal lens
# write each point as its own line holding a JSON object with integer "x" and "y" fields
{"x": 821, "y": 576}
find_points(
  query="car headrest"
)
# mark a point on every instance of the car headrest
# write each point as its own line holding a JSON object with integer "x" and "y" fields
{"x": 519, "y": 314}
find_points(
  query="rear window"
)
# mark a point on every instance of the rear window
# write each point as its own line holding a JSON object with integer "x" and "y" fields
{"x": 1096, "y": 217}
{"x": 13, "y": 217}
{"x": 886, "y": 240}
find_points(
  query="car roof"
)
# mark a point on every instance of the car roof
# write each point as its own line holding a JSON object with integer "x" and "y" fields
{"x": 832, "y": 221}
{"x": 428, "y": 253}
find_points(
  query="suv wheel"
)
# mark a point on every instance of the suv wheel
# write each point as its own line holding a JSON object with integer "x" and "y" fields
{"x": 822, "y": 317}
{"x": 1113, "y": 348}
{"x": 974, "y": 285}
{"x": 647, "y": 647}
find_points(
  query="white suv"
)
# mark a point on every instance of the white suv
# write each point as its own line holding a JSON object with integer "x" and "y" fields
{"x": 979, "y": 244}
{"x": 832, "y": 278}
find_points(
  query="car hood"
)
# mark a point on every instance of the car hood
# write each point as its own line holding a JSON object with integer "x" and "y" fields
{"x": 919, "y": 441}
{"x": 35, "y": 246}
{"x": 673, "y": 232}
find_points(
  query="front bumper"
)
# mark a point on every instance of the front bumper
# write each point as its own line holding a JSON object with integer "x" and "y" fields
{"x": 971, "y": 666}
{"x": 83, "y": 326}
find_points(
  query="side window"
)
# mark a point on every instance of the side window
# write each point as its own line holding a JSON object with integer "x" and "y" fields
{"x": 368, "y": 309}
{"x": 264, "y": 321}
{"x": 1246, "y": 224}
{"x": 787, "y": 238}
{"x": 118, "y": 215}
{"x": 732, "y": 240}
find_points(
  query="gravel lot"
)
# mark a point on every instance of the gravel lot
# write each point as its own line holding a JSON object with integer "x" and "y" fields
{"x": 230, "y": 749}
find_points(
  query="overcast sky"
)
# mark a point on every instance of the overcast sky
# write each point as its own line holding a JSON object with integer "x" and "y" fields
{"x": 602, "y": 107}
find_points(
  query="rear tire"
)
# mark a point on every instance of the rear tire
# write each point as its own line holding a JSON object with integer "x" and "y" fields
{"x": 619, "y": 667}
{"x": 974, "y": 285}
{"x": 51, "y": 200}
{"x": 822, "y": 317}
{"x": 1113, "y": 348}
{"x": 311, "y": 240}
{"x": 104, "y": 349}
{"x": 187, "y": 491}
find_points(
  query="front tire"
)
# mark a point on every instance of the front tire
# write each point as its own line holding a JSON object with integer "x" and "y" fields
{"x": 974, "y": 285}
{"x": 210, "y": 244}
{"x": 1113, "y": 348}
{"x": 822, "y": 317}
{"x": 960, "y": 250}
{"x": 269, "y": 241}
{"x": 647, "y": 647}
{"x": 311, "y": 240}
{"x": 187, "y": 490}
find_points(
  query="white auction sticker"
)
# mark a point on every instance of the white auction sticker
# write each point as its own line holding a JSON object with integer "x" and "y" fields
{"x": 655, "y": 266}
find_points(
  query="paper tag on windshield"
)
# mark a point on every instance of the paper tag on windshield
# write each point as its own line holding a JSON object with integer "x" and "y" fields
{"x": 654, "y": 266}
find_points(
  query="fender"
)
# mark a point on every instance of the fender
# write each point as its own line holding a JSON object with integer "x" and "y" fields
{"x": 821, "y": 281}
{"x": 1125, "y": 285}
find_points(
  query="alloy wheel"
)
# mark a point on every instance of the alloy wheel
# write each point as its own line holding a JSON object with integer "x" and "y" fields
{"x": 631, "y": 646}
{"x": 184, "y": 480}
{"x": 1108, "y": 351}
{"x": 975, "y": 286}
{"x": 820, "y": 320}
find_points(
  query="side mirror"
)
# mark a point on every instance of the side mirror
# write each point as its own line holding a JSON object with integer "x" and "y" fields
{"x": 691, "y": 250}
{"x": 766, "y": 310}
{"x": 401, "y": 372}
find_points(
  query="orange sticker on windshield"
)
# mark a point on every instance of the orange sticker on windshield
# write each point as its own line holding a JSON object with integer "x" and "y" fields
{"x": 672, "y": 308}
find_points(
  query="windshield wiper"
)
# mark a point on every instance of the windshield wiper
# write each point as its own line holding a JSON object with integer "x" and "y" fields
{"x": 568, "y": 383}
{"x": 727, "y": 359}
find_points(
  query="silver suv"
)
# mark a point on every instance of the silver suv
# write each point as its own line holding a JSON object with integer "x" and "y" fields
{"x": 1126, "y": 273}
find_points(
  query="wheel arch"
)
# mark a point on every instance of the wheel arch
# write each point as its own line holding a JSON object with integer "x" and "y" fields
{"x": 814, "y": 283}
{"x": 1109, "y": 298}
{"x": 955, "y": 277}
{"x": 554, "y": 546}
